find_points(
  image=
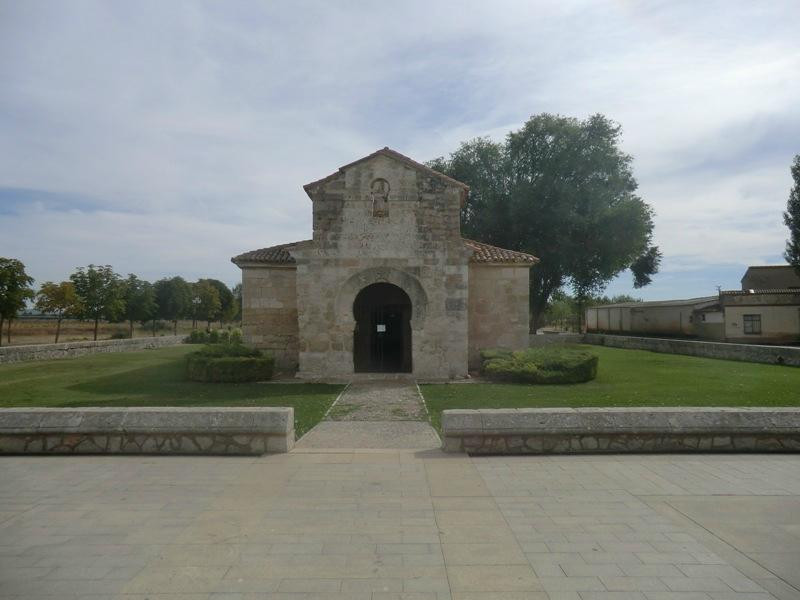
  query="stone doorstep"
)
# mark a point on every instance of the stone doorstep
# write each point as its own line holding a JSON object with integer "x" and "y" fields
{"x": 237, "y": 430}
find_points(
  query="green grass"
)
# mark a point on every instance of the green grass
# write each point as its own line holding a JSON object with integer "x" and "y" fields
{"x": 634, "y": 378}
{"x": 150, "y": 378}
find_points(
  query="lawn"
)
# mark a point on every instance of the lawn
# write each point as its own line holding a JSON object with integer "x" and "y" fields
{"x": 634, "y": 378}
{"x": 150, "y": 378}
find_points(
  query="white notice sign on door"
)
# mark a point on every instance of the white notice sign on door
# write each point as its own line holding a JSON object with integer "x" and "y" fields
{"x": 381, "y": 328}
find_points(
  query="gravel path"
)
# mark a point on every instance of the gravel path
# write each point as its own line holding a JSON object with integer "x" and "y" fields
{"x": 375, "y": 414}
{"x": 379, "y": 401}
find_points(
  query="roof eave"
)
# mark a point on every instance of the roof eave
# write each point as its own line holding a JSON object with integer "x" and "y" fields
{"x": 261, "y": 264}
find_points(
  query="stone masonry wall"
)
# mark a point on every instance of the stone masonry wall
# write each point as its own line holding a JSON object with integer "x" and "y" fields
{"x": 776, "y": 355}
{"x": 411, "y": 240}
{"x": 269, "y": 312}
{"x": 10, "y": 354}
{"x": 498, "y": 309}
{"x": 171, "y": 430}
{"x": 608, "y": 430}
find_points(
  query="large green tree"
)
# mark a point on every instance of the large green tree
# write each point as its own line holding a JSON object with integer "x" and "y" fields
{"x": 58, "y": 300}
{"x": 15, "y": 290}
{"x": 227, "y": 305}
{"x": 99, "y": 292}
{"x": 140, "y": 301}
{"x": 207, "y": 303}
{"x": 174, "y": 299}
{"x": 562, "y": 189}
{"x": 792, "y": 218}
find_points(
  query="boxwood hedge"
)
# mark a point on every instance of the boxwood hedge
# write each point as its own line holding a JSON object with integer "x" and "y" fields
{"x": 539, "y": 365}
{"x": 228, "y": 363}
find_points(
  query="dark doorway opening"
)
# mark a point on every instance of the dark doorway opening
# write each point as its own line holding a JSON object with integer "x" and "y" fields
{"x": 382, "y": 337}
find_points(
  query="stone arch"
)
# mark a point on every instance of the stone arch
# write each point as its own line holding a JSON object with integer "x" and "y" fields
{"x": 402, "y": 279}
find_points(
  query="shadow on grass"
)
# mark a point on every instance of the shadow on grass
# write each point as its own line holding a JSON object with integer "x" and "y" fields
{"x": 164, "y": 383}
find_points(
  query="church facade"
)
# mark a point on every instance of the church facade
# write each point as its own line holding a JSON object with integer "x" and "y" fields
{"x": 387, "y": 284}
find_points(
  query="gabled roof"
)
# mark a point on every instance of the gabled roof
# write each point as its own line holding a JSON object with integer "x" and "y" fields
{"x": 388, "y": 152}
{"x": 482, "y": 253}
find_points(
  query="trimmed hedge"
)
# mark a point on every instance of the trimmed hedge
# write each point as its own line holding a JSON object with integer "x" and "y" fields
{"x": 228, "y": 363}
{"x": 215, "y": 336}
{"x": 539, "y": 365}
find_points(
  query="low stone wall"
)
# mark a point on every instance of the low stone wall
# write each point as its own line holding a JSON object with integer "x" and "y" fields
{"x": 776, "y": 355}
{"x": 615, "y": 430}
{"x": 146, "y": 430}
{"x": 9, "y": 354}
{"x": 548, "y": 339}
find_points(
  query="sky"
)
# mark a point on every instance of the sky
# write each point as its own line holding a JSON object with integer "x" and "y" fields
{"x": 165, "y": 137}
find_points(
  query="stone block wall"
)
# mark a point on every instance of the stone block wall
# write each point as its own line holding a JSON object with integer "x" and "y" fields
{"x": 146, "y": 430}
{"x": 498, "y": 309}
{"x": 269, "y": 312}
{"x": 775, "y": 355}
{"x": 10, "y": 354}
{"x": 550, "y": 339}
{"x": 617, "y": 430}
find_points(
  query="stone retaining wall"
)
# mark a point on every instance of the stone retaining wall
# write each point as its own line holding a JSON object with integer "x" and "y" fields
{"x": 9, "y": 354}
{"x": 548, "y": 339}
{"x": 783, "y": 355}
{"x": 614, "y": 430}
{"x": 146, "y": 430}
{"x": 774, "y": 355}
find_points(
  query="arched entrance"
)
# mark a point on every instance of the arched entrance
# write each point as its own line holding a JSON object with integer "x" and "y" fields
{"x": 382, "y": 336}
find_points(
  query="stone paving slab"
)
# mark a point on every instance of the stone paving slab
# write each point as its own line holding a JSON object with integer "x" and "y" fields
{"x": 370, "y": 434}
{"x": 399, "y": 524}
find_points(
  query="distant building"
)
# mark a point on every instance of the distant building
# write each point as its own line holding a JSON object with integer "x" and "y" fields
{"x": 762, "y": 316}
{"x": 665, "y": 317}
{"x": 765, "y": 311}
{"x": 773, "y": 277}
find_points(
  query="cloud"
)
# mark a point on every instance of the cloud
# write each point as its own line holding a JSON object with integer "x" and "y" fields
{"x": 165, "y": 137}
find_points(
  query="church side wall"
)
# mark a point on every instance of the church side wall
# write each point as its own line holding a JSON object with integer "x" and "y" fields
{"x": 498, "y": 309}
{"x": 269, "y": 312}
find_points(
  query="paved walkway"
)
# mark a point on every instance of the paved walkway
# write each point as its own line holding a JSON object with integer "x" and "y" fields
{"x": 375, "y": 414}
{"x": 403, "y": 524}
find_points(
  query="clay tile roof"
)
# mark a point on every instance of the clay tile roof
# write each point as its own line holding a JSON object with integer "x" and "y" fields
{"x": 386, "y": 151}
{"x": 274, "y": 255}
{"x": 790, "y": 290}
{"x": 484, "y": 253}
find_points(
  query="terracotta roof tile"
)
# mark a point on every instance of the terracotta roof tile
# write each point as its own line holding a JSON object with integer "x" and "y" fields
{"x": 761, "y": 291}
{"x": 274, "y": 254}
{"x": 483, "y": 253}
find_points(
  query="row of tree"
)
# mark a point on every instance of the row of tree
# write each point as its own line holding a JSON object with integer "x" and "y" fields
{"x": 97, "y": 293}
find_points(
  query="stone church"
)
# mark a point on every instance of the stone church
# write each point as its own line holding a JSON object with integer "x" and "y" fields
{"x": 387, "y": 284}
